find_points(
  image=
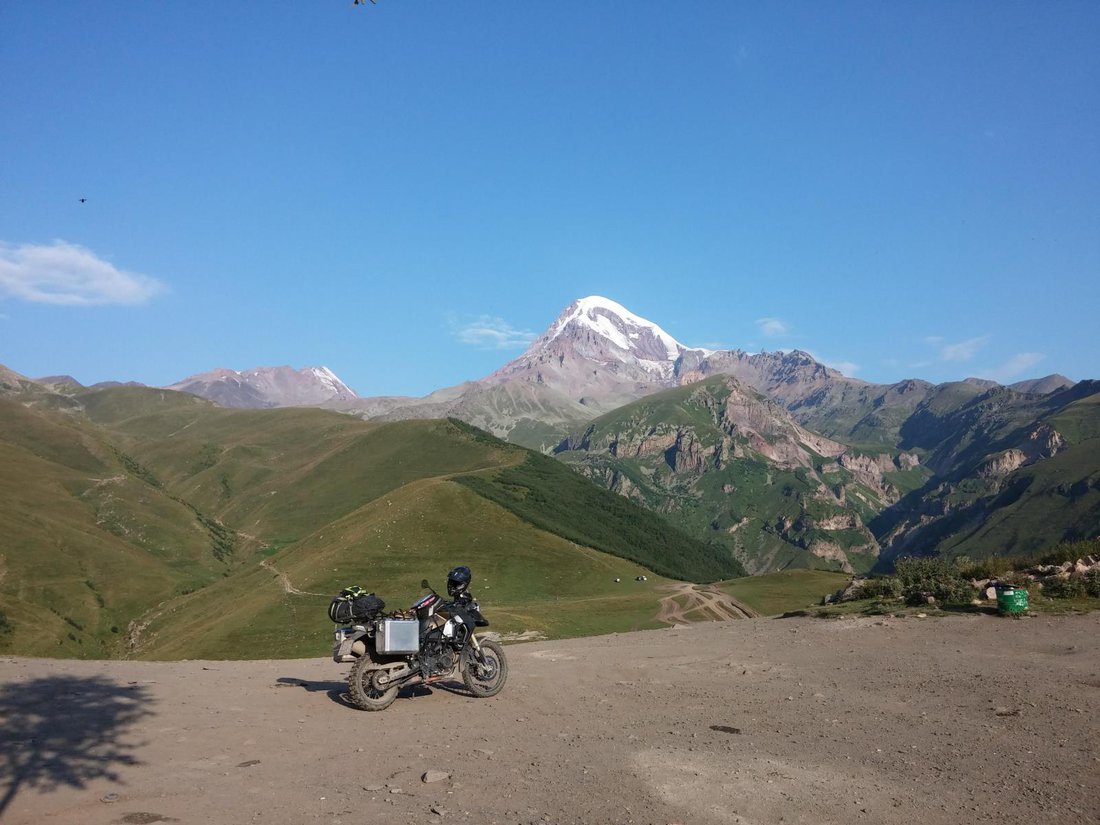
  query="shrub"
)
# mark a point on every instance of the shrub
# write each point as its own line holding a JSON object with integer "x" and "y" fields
{"x": 1070, "y": 551}
{"x": 1016, "y": 580}
{"x": 1092, "y": 583}
{"x": 886, "y": 587}
{"x": 1071, "y": 588}
{"x": 923, "y": 576}
{"x": 992, "y": 567}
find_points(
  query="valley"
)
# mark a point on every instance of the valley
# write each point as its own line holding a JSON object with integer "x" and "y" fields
{"x": 147, "y": 522}
{"x": 801, "y": 467}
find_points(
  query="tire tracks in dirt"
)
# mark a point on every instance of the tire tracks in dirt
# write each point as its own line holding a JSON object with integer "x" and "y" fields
{"x": 689, "y": 603}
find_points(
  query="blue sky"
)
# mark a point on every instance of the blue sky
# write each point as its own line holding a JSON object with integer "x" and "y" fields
{"x": 406, "y": 192}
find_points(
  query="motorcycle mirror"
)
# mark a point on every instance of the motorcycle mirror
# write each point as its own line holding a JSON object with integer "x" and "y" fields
{"x": 425, "y": 585}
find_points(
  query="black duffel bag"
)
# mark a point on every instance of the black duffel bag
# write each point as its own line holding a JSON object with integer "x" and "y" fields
{"x": 353, "y": 604}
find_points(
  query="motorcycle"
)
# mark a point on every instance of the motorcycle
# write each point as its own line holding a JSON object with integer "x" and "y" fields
{"x": 432, "y": 642}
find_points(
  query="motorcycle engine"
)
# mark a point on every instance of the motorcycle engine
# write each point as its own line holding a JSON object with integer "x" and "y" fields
{"x": 435, "y": 659}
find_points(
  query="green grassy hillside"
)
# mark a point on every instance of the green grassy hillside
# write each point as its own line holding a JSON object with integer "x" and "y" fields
{"x": 554, "y": 498}
{"x": 85, "y": 545}
{"x": 775, "y": 593}
{"x": 526, "y": 579}
{"x": 971, "y": 508}
{"x": 1039, "y": 505}
{"x": 141, "y": 522}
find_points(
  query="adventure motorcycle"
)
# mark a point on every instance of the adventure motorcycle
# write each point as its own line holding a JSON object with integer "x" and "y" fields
{"x": 431, "y": 642}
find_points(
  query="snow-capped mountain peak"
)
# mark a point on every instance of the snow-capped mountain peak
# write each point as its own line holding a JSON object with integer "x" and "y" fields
{"x": 619, "y": 326}
{"x": 329, "y": 379}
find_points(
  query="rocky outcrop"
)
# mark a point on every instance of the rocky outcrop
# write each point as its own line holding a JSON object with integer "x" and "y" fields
{"x": 871, "y": 471}
{"x": 831, "y": 552}
{"x": 686, "y": 454}
{"x": 1040, "y": 443}
{"x": 1003, "y": 464}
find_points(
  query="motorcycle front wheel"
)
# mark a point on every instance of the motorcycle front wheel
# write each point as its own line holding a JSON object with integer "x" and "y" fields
{"x": 363, "y": 688}
{"x": 484, "y": 674}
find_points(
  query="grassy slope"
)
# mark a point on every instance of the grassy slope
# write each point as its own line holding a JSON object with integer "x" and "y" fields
{"x": 776, "y": 593}
{"x": 86, "y": 546}
{"x": 1040, "y": 505}
{"x": 280, "y": 474}
{"x": 525, "y": 578}
{"x": 549, "y": 495}
{"x": 114, "y": 515}
{"x": 1053, "y": 500}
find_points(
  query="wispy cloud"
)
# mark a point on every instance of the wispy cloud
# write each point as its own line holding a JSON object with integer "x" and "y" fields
{"x": 1016, "y": 365}
{"x": 490, "y": 332}
{"x": 963, "y": 350}
{"x": 64, "y": 273}
{"x": 772, "y": 327}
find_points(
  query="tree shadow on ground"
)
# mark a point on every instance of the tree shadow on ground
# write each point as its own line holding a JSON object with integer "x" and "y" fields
{"x": 65, "y": 730}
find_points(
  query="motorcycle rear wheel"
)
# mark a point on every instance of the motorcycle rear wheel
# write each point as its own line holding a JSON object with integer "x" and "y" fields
{"x": 484, "y": 675}
{"x": 362, "y": 688}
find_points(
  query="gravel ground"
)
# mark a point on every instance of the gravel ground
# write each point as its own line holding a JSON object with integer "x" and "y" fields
{"x": 936, "y": 720}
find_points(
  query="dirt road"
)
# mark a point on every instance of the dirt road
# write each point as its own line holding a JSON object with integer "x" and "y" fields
{"x": 972, "y": 719}
{"x": 688, "y": 603}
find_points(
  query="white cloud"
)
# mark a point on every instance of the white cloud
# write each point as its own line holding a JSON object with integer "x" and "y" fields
{"x": 1017, "y": 364}
{"x": 964, "y": 350}
{"x": 68, "y": 274}
{"x": 772, "y": 327}
{"x": 490, "y": 332}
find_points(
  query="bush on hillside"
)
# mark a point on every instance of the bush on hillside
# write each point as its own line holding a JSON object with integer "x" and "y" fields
{"x": 993, "y": 567}
{"x": 1073, "y": 587}
{"x": 1070, "y": 551}
{"x": 1092, "y": 583}
{"x": 924, "y": 576}
{"x": 885, "y": 587}
{"x": 1070, "y": 588}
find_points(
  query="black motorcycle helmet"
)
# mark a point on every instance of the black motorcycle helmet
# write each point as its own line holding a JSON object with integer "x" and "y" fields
{"x": 458, "y": 581}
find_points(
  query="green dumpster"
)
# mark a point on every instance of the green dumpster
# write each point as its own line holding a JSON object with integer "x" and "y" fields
{"x": 1011, "y": 601}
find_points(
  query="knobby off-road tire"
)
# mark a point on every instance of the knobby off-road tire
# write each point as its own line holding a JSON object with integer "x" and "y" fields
{"x": 484, "y": 676}
{"x": 362, "y": 690}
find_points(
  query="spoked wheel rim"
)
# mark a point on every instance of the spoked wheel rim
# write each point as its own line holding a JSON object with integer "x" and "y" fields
{"x": 363, "y": 687}
{"x": 486, "y": 670}
{"x": 486, "y": 667}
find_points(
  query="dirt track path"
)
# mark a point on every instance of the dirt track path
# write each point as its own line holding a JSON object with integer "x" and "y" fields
{"x": 688, "y": 603}
{"x": 284, "y": 580}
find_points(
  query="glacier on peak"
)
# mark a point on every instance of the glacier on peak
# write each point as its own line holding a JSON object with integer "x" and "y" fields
{"x": 330, "y": 379}
{"x": 600, "y": 314}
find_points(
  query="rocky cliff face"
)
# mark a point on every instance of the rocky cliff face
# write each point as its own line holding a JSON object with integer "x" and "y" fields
{"x": 723, "y": 461}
